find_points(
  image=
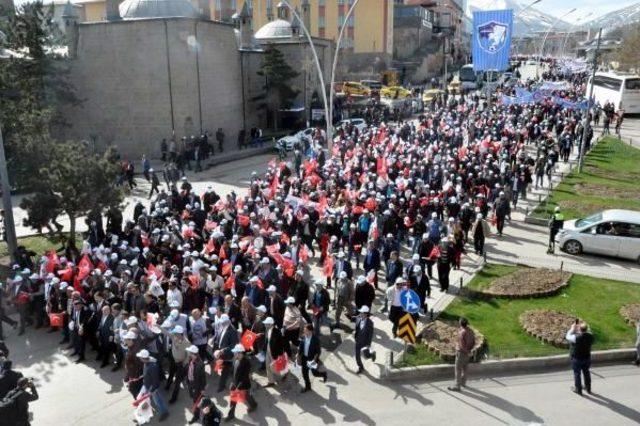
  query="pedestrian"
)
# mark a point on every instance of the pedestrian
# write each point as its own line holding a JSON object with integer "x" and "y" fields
{"x": 210, "y": 414}
{"x": 344, "y": 296}
{"x": 445, "y": 259}
{"x": 274, "y": 348}
{"x": 163, "y": 150}
{"x": 309, "y": 357}
{"x": 15, "y": 405}
{"x": 241, "y": 381}
{"x": 3, "y": 316}
{"x": 196, "y": 380}
{"x": 480, "y": 231}
{"x": 220, "y": 139}
{"x": 104, "y": 334}
{"x": 580, "y": 339}
{"x": 151, "y": 383}
{"x": 363, "y": 338}
{"x": 155, "y": 183}
{"x": 132, "y": 364}
{"x": 177, "y": 361}
{"x": 224, "y": 342}
{"x": 464, "y": 345}
{"x": 556, "y": 223}
{"x": 393, "y": 298}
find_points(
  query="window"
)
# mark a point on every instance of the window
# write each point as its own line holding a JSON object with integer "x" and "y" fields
{"x": 321, "y": 22}
{"x": 630, "y": 230}
{"x": 321, "y": 2}
{"x": 350, "y": 21}
{"x": 607, "y": 82}
{"x": 632, "y": 84}
{"x": 590, "y": 220}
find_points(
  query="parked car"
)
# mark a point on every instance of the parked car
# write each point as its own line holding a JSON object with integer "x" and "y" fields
{"x": 358, "y": 123}
{"x": 352, "y": 88}
{"x": 610, "y": 232}
{"x": 374, "y": 87}
{"x": 429, "y": 95}
{"x": 295, "y": 139}
{"x": 395, "y": 92}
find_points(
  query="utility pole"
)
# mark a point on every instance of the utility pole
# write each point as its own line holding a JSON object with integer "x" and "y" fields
{"x": 9, "y": 225}
{"x": 587, "y": 121}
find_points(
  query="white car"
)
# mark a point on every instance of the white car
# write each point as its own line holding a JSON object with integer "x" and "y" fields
{"x": 290, "y": 142}
{"x": 358, "y": 123}
{"x": 611, "y": 233}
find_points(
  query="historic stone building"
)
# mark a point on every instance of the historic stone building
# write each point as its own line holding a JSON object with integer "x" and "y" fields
{"x": 157, "y": 69}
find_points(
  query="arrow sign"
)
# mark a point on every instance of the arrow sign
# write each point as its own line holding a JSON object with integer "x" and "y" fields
{"x": 410, "y": 301}
{"x": 407, "y": 328}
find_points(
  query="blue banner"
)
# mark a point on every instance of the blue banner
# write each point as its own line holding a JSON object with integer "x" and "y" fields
{"x": 492, "y": 39}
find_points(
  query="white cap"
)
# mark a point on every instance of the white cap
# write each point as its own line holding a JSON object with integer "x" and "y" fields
{"x": 174, "y": 304}
{"x": 264, "y": 261}
{"x": 364, "y": 309}
{"x": 193, "y": 349}
{"x": 63, "y": 285}
{"x": 130, "y": 335}
{"x": 177, "y": 330}
{"x": 143, "y": 354}
{"x": 399, "y": 280}
{"x": 238, "y": 349}
{"x": 343, "y": 275}
{"x": 262, "y": 309}
{"x": 268, "y": 321}
{"x": 224, "y": 318}
{"x": 290, "y": 300}
{"x": 271, "y": 288}
{"x": 131, "y": 321}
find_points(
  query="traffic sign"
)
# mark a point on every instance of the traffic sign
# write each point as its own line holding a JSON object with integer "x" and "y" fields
{"x": 407, "y": 328}
{"x": 410, "y": 301}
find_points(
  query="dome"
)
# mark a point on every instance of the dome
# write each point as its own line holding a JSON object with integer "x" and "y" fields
{"x": 139, "y": 9}
{"x": 275, "y": 29}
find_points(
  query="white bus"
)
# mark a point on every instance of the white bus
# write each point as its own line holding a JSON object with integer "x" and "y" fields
{"x": 468, "y": 78}
{"x": 623, "y": 90}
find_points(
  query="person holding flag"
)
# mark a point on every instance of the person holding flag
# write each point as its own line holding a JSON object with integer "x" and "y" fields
{"x": 240, "y": 382}
{"x": 196, "y": 380}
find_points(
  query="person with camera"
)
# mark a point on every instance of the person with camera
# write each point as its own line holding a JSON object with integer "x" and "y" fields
{"x": 580, "y": 338}
{"x": 14, "y": 407}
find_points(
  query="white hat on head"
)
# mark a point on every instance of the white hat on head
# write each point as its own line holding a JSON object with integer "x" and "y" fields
{"x": 177, "y": 330}
{"x": 193, "y": 349}
{"x": 131, "y": 321}
{"x": 130, "y": 335}
{"x": 364, "y": 309}
{"x": 143, "y": 354}
{"x": 224, "y": 318}
{"x": 264, "y": 261}
{"x": 290, "y": 300}
{"x": 343, "y": 275}
{"x": 63, "y": 285}
{"x": 268, "y": 321}
{"x": 271, "y": 289}
{"x": 262, "y": 309}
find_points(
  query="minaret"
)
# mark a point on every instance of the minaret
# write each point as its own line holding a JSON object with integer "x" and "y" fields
{"x": 70, "y": 20}
{"x": 245, "y": 27}
{"x": 113, "y": 10}
{"x": 306, "y": 13}
{"x": 295, "y": 24}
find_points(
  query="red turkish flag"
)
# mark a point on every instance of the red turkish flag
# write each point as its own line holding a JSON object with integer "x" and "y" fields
{"x": 281, "y": 364}
{"x": 328, "y": 266}
{"x": 229, "y": 283}
{"x": 153, "y": 270}
{"x": 102, "y": 266}
{"x": 248, "y": 339}
{"x": 66, "y": 274}
{"x": 435, "y": 253}
{"x": 304, "y": 253}
{"x": 194, "y": 281}
{"x": 56, "y": 320}
{"x": 238, "y": 396}
{"x": 53, "y": 261}
{"x": 226, "y": 269}
{"x": 210, "y": 246}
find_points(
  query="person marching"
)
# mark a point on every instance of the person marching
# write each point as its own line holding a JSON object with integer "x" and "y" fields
{"x": 196, "y": 380}
{"x": 309, "y": 357}
{"x": 241, "y": 381}
{"x": 364, "y": 337}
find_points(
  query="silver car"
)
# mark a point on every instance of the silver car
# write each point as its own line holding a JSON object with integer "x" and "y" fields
{"x": 611, "y": 233}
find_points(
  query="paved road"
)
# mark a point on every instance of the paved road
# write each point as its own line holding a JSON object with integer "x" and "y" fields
{"x": 79, "y": 395}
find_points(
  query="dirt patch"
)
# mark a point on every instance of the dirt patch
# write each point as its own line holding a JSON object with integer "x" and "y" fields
{"x": 631, "y": 313}
{"x": 528, "y": 282}
{"x": 440, "y": 337}
{"x": 549, "y": 326}
{"x": 604, "y": 191}
{"x": 581, "y": 206}
{"x": 630, "y": 176}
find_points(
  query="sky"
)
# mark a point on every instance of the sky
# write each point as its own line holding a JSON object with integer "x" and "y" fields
{"x": 598, "y": 7}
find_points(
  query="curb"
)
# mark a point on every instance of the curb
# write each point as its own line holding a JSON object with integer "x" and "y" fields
{"x": 513, "y": 365}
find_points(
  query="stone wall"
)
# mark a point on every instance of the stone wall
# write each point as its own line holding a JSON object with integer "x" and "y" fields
{"x": 144, "y": 80}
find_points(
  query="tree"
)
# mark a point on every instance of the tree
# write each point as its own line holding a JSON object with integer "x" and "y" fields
{"x": 628, "y": 55}
{"x": 33, "y": 88}
{"x": 78, "y": 182}
{"x": 278, "y": 75}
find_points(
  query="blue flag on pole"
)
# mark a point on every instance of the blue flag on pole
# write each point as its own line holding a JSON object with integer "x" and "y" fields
{"x": 492, "y": 39}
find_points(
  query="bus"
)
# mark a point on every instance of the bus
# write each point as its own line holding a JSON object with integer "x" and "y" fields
{"x": 468, "y": 78}
{"x": 623, "y": 90}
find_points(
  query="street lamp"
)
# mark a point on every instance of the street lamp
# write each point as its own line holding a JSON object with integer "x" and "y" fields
{"x": 566, "y": 38}
{"x": 547, "y": 35}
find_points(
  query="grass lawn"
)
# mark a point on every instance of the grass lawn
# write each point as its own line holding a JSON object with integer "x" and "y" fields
{"x": 595, "y": 300}
{"x": 609, "y": 180}
{"x": 37, "y": 243}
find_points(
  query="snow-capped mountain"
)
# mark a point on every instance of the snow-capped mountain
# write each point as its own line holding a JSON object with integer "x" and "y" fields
{"x": 617, "y": 18}
{"x": 531, "y": 20}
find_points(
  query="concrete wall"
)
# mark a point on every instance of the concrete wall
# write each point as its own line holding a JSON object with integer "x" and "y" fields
{"x": 143, "y": 80}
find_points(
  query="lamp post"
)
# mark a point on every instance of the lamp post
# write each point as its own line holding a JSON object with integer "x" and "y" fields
{"x": 587, "y": 121}
{"x": 566, "y": 38}
{"x": 318, "y": 68}
{"x": 333, "y": 72}
{"x": 544, "y": 41}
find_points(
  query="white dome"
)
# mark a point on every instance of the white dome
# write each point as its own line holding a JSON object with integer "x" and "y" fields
{"x": 138, "y": 9}
{"x": 275, "y": 29}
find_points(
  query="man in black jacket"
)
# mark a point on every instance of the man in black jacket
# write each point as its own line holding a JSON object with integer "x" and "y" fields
{"x": 309, "y": 356}
{"x": 274, "y": 348}
{"x": 14, "y": 408}
{"x": 224, "y": 343}
{"x": 105, "y": 336}
{"x": 196, "y": 380}
{"x": 581, "y": 340}
{"x": 8, "y": 378}
{"x": 241, "y": 380}
{"x": 363, "y": 337}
